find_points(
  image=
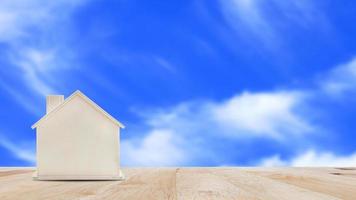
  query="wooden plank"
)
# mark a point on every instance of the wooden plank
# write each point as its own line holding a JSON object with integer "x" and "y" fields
{"x": 189, "y": 183}
{"x": 240, "y": 185}
{"x": 144, "y": 184}
{"x": 338, "y": 182}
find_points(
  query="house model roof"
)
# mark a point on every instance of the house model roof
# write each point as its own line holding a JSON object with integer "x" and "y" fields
{"x": 85, "y": 98}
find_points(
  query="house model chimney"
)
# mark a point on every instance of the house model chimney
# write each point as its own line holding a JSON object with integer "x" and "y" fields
{"x": 52, "y": 101}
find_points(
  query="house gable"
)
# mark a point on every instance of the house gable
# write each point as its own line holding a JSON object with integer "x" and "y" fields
{"x": 87, "y": 100}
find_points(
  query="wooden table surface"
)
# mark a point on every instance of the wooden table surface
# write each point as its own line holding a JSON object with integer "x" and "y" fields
{"x": 190, "y": 183}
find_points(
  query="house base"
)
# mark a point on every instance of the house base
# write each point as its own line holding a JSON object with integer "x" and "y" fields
{"x": 35, "y": 176}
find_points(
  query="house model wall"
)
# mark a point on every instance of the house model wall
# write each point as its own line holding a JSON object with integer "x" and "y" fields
{"x": 77, "y": 139}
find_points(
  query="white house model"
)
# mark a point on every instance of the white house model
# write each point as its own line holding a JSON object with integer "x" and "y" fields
{"x": 77, "y": 140}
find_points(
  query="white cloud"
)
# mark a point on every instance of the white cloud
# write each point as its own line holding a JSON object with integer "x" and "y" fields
{"x": 311, "y": 158}
{"x": 273, "y": 161}
{"x": 340, "y": 79}
{"x": 157, "y": 148}
{"x": 186, "y": 132}
{"x": 24, "y": 152}
{"x": 266, "y": 114}
{"x": 272, "y": 114}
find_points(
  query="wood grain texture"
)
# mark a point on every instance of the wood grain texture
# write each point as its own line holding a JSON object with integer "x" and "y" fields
{"x": 190, "y": 183}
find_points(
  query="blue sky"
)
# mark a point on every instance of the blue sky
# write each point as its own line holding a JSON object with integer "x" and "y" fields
{"x": 197, "y": 83}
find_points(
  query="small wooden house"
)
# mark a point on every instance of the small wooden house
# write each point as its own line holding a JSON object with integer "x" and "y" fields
{"x": 77, "y": 140}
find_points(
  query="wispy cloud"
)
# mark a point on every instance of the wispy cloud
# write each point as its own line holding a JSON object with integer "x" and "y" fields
{"x": 164, "y": 63}
{"x": 340, "y": 80}
{"x": 311, "y": 158}
{"x": 34, "y": 65}
{"x": 25, "y": 152}
{"x": 267, "y": 20}
{"x": 248, "y": 14}
{"x": 27, "y": 30}
{"x": 18, "y": 16}
{"x": 19, "y": 98}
